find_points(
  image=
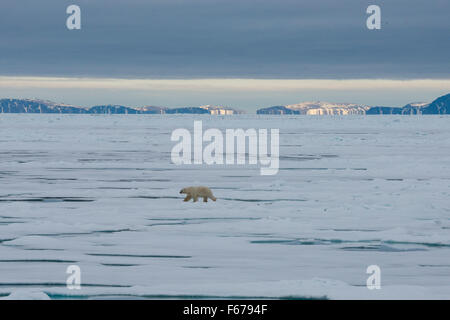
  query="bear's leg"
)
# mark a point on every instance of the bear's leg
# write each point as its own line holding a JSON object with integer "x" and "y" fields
{"x": 188, "y": 197}
{"x": 195, "y": 199}
{"x": 205, "y": 199}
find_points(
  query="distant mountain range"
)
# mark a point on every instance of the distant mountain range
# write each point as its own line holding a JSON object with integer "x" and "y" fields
{"x": 439, "y": 106}
{"x": 316, "y": 108}
{"x": 43, "y": 106}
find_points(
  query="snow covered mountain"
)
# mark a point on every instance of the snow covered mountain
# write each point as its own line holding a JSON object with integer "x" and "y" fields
{"x": 317, "y": 108}
{"x": 328, "y": 108}
{"x": 220, "y": 110}
{"x": 37, "y": 106}
{"x": 440, "y": 105}
{"x": 44, "y": 106}
{"x": 414, "y": 108}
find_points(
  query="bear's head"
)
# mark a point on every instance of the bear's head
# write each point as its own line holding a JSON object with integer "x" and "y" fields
{"x": 182, "y": 191}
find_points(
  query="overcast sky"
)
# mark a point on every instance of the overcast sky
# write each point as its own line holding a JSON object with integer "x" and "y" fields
{"x": 257, "y": 39}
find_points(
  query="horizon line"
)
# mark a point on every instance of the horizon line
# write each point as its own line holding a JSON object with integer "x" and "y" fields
{"x": 220, "y": 84}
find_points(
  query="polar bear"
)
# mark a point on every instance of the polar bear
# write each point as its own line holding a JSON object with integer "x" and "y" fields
{"x": 196, "y": 192}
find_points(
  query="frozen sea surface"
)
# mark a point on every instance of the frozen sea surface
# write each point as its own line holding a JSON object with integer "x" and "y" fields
{"x": 100, "y": 192}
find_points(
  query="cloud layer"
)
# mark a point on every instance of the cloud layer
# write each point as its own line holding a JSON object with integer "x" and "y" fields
{"x": 225, "y": 38}
{"x": 215, "y": 85}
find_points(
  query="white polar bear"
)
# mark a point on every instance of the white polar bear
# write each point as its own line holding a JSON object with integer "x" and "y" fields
{"x": 196, "y": 192}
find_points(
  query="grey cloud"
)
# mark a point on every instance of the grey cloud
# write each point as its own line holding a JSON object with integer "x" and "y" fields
{"x": 216, "y": 38}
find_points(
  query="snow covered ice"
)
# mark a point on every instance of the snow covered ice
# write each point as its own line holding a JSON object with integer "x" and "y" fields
{"x": 101, "y": 192}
